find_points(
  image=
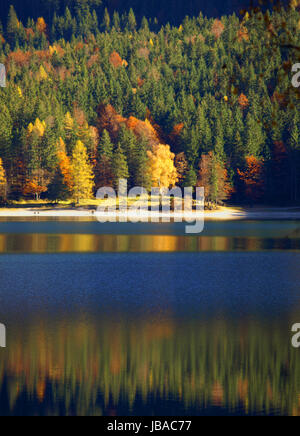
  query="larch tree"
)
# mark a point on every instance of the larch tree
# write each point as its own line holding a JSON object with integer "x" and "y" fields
{"x": 62, "y": 183}
{"x": 82, "y": 174}
{"x": 37, "y": 156}
{"x": 41, "y": 25}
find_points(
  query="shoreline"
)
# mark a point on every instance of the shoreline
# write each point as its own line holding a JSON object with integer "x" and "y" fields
{"x": 222, "y": 214}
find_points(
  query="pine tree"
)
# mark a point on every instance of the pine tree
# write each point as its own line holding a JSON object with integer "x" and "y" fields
{"x": 13, "y": 25}
{"x": 116, "y": 21}
{"x": 131, "y": 21}
{"x": 82, "y": 175}
{"x": 139, "y": 163}
{"x": 191, "y": 178}
{"x": 105, "y": 146}
{"x": 106, "y": 20}
{"x": 103, "y": 169}
{"x": 254, "y": 137}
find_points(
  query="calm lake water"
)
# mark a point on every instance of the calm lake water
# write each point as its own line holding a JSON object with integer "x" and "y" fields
{"x": 123, "y": 319}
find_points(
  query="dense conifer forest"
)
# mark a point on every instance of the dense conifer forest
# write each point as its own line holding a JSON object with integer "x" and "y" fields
{"x": 95, "y": 93}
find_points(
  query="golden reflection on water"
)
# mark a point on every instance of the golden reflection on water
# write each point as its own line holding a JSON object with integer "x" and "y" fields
{"x": 93, "y": 243}
{"x": 92, "y": 366}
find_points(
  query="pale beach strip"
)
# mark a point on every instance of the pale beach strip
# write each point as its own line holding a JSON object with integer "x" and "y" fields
{"x": 223, "y": 213}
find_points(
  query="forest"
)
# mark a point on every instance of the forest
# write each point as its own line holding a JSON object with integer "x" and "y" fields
{"x": 95, "y": 94}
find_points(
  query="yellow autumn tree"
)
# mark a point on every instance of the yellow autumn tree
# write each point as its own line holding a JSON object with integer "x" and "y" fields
{"x": 41, "y": 25}
{"x": 42, "y": 75}
{"x": 65, "y": 166}
{"x": 68, "y": 124}
{"x": 161, "y": 166}
{"x": 37, "y": 128}
{"x": 3, "y": 182}
{"x": 82, "y": 174}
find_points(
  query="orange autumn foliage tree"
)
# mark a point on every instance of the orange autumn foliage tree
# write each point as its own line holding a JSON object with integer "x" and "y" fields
{"x": 110, "y": 120}
{"x": 29, "y": 33}
{"x": 34, "y": 187}
{"x": 161, "y": 167}
{"x": 143, "y": 129}
{"x": 243, "y": 101}
{"x": 41, "y": 25}
{"x": 19, "y": 57}
{"x": 177, "y": 129}
{"x": 217, "y": 28}
{"x": 252, "y": 178}
{"x": 116, "y": 61}
{"x": 242, "y": 34}
{"x": 213, "y": 177}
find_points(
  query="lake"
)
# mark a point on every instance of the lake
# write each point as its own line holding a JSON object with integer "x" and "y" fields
{"x": 140, "y": 319}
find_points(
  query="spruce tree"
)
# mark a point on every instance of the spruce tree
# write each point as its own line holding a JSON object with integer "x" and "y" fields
{"x": 12, "y": 28}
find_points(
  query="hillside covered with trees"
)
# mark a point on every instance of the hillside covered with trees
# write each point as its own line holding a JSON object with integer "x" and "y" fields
{"x": 94, "y": 97}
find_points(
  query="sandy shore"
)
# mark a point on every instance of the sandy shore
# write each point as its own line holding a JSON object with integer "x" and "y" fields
{"x": 224, "y": 213}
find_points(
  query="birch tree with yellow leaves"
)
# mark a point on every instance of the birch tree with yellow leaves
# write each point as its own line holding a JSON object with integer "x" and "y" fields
{"x": 82, "y": 173}
{"x": 161, "y": 166}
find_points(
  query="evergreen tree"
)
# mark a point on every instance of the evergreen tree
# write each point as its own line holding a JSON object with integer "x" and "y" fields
{"x": 12, "y": 28}
{"x": 131, "y": 21}
{"x": 119, "y": 166}
{"x": 191, "y": 178}
{"x": 103, "y": 169}
{"x": 106, "y": 21}
{"x": 254, "y": 137}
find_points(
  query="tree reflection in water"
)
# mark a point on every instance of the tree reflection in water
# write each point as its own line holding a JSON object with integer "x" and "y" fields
{"x": 122, "y": 366}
